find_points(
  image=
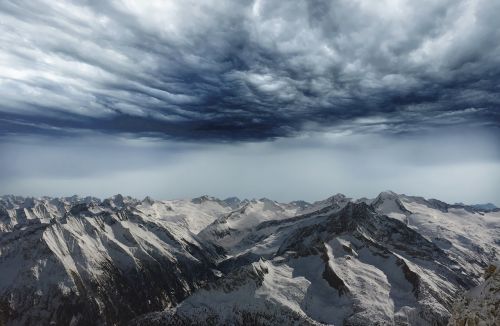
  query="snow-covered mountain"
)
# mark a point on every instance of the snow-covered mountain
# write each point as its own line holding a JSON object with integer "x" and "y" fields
{"x": 469, "y": 235}
{"x": 83, "y": 261}
{"x": 394, "y": 259}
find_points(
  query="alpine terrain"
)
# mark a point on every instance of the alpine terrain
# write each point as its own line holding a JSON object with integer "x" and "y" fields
{"x": 391, "y": 260}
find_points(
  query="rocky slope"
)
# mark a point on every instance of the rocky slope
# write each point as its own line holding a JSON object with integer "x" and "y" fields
{"x": 394, "y": 259}
{"x": 348, "y": 265}
{"x": 83, "y": 261}
{"x": 480, "y": 305}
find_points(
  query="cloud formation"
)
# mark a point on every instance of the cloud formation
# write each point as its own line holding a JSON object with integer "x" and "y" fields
{"x": 311, "y": 167}
{"x": 247, "y": 70}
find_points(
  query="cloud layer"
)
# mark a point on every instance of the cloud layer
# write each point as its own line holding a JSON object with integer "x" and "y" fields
{"x": 247, "y": 70}
{"x": 311, "y": 167}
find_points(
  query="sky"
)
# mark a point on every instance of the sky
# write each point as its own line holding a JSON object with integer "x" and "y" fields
{"x": 280, "y": 99}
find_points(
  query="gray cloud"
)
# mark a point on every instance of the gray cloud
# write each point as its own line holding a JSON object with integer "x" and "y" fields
{"x": 311, "y": 167}
{"x": 247, "y": 70}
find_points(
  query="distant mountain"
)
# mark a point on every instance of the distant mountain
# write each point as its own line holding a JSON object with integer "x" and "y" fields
{"x": 394, "y": 259}
{"x": 485, "y": 207}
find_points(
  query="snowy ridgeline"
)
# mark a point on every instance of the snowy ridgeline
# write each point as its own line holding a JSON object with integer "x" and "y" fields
{"x": 395, "y": 259}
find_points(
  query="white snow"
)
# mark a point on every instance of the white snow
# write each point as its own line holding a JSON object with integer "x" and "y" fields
{"x": 194, "y": 217}
{"x": 54, "y": 246}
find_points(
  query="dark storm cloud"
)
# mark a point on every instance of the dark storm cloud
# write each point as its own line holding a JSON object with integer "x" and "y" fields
{"x": 247, "y": 70}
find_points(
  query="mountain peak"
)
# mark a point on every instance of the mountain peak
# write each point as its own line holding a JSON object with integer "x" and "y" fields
{"x": 148, "y": 200}
{"x": 337, "y": 197}
{"x": 119, "y": 201}
{"x": 485, "y": 207}
{"x": 389, "y": 194}
{"x": 233, "y": 202}
{"x": 203, "y": 198}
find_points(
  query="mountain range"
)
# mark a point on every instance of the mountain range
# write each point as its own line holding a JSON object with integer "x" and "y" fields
{"x": 391, "y": 260}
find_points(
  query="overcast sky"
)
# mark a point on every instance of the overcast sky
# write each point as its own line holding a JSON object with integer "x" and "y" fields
{"x": 283, "y": 99}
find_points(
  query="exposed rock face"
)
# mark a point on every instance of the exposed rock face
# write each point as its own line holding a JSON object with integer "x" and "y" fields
{"x": 480, "y": 305}
{"x": 341, "y": 264}
{"x": 394, "y": 260}
{"x": 205, "y": 307}
{"x": 93, "y": 263}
